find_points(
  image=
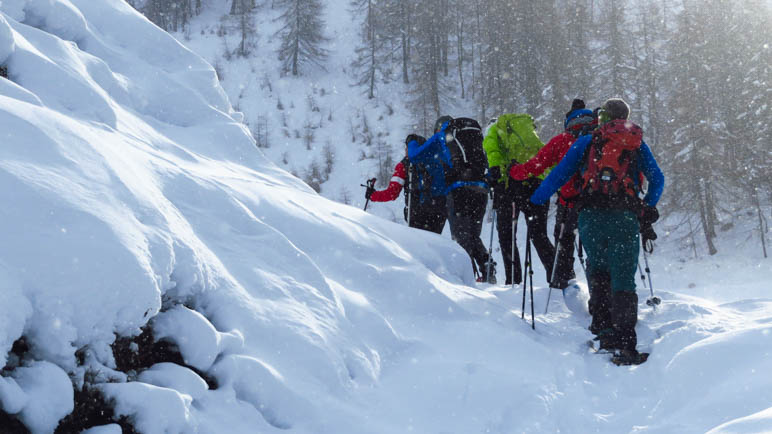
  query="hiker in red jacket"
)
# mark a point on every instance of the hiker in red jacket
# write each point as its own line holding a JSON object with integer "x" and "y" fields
{"x": 429, "y": 214}
{"x": 579, "y": 121}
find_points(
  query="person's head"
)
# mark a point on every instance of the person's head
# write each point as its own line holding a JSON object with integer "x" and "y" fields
{"x": 576, "y": 104}
{"x": 440, "y": 122}
{"x": 613, "y": 109}
{"x": 580, "y": 120}
{"x": 413, "y": 137}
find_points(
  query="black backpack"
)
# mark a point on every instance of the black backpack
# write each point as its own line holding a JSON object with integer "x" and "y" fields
{"x": 463, "y": 137}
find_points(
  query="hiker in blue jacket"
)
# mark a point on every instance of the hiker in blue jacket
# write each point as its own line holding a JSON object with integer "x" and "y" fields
{"x": 456, "y": 163}
{"x": 611, "y": 217}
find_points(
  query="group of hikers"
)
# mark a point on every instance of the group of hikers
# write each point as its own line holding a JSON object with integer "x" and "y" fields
{"x": 598, "y": 166}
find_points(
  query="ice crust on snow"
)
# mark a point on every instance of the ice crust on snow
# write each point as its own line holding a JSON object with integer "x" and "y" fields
{"x": 130, "y": 186}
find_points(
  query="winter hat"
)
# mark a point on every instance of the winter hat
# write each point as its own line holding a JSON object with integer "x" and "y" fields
{"x": 412, "y": 137}
{"x": 441, "y": 121}
{"x": 576, "y": 119}
{"x": 576, "y": 104}
{"x": 616, "y": 108}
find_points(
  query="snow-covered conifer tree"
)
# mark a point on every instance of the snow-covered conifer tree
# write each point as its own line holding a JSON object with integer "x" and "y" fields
{"x": 302, "y": 36}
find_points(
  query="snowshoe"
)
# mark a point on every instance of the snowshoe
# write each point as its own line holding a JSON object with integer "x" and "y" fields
{"x": 628, "y": 357}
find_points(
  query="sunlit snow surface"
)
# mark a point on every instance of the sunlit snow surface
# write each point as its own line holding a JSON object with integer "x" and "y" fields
{"x": 126, "y": 185}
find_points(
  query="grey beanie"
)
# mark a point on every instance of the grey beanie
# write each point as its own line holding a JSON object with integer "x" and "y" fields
{"x": 616, "y": 108}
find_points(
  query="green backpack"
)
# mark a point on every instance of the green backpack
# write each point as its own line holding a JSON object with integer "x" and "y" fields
{"x": 512, "y": 137}
{"x": 517, "y": 136}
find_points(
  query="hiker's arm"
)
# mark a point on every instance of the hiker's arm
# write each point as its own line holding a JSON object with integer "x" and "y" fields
{"x": 492, "y": 149}
{"x": 562, "y": 172}
{"x": 395, "y": 186}
{"x": 653, "y": 174}
{"x": 547, "y": 157}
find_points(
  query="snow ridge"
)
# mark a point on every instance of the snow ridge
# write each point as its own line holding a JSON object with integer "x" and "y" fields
{"x": 133, "y": 191}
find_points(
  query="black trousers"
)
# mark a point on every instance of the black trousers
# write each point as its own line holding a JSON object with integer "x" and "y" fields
{"x": 429, "y": 215}
{"x": 519, "y": 193}
{"x": 469, "y": 210}
{"x": 567, "y": 218}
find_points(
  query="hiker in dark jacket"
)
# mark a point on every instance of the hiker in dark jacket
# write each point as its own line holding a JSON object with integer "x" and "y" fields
{"x": 579, "y": 121}
{"x": 610, "y": 219}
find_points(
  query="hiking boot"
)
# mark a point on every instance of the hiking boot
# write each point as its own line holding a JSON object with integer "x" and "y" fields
{"x": 607, "y": 341}
{"x": 629, "y": 357}
{"x": 484, "y": 277}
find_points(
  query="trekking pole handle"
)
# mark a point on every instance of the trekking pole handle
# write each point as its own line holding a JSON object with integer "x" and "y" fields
{"x": 370, "y": 183}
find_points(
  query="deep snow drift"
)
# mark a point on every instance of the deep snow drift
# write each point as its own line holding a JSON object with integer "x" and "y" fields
{"x": 132, "y": 193}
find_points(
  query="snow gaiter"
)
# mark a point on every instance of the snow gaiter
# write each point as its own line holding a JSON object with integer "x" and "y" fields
{"x": 624, "y": 316}
{"x": 600, "y": 302}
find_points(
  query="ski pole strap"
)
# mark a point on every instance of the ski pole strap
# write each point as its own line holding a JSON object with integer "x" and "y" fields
{"x": 648, "y": 246}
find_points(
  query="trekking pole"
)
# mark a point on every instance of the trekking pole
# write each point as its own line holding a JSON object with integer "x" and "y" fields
{"x": 579, "y": 249}
{"x": 525, "y": 271}
{"x": 370, "y": 184}
{"x": 489, "y": 265}
{"x": 653, "y": 301}
{"x": 409, "y": 192}
{"x": 554, "y": 265}
{"x": 643, "y": 280}
{"x": 529, "y": 268}
{"x": 512, "y": 252}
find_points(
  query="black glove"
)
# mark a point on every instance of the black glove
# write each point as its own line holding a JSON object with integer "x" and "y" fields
{"x": 369, "y": 192}
{"x": 647, "y": 237}
{"x": 649, "y": 216}
{"x": 647, "y": 233}
{"x": 494, "y": 173}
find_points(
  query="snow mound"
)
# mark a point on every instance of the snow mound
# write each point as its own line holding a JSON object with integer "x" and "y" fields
{"x": 754, "y": 423}
{"x": 48, "y": 393}
{"x": 136, "y": 191}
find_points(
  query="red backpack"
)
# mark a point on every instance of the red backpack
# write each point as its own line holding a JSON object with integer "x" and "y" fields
{"x": 611, "y": 178}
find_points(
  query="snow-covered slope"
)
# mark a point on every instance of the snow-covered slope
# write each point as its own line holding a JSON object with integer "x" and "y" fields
{"x": 128, "y": 186}
{"x": 320, "y": 119}
{"x": 137, "y": 213}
